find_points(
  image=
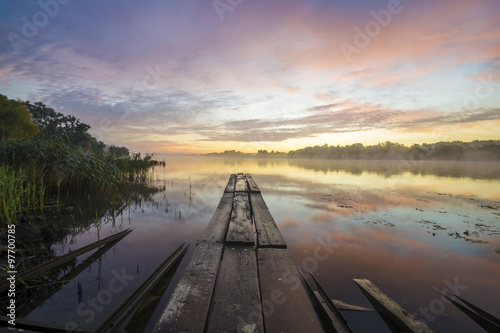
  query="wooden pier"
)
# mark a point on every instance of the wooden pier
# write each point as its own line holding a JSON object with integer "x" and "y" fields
{"x": 240, "y": 278}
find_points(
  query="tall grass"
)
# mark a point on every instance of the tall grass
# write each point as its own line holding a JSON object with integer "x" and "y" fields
{"x": 61, "y": 165}
{"x": 19, "y": 194}
{"x": 50, "y": 165}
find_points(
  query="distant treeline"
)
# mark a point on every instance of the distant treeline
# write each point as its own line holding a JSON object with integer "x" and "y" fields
{"x": 447, "y": 151}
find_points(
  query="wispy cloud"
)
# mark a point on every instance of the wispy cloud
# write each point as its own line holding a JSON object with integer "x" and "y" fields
{"x": 270, "y": 72}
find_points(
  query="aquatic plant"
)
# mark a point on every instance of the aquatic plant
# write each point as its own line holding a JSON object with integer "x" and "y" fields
{"x": 19, "y": 194}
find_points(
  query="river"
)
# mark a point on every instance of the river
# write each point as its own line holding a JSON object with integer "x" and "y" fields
{"x": 413, "y": 229}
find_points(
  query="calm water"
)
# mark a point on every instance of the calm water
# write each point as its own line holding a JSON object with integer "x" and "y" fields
{"x": 412, "y": 229}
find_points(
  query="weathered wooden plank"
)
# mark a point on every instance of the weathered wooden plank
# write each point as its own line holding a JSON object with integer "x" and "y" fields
{"x": 188, "y": 306}
{"x": 230, "y": 184}
{"x": 268, "y": 234}
{"x": 350, "y": 307}
{"x": 338, "y": 320}
{"x": 236, "y": 305}
{"x": 390, "y": 309}
{"x": 215, "y": 232}
{"x": 333, "y": 320}
{"x": 241, "y": 183}
{"x": 240, "y": 226}
{"x": 486, "y": 323}
{"x": 37, "y": 270}
{"x": 479, "y": 311}
{"x": 124, "y": 310}
{"x": 252, "y": 185}
{"x": 285, "y": 304}
{"x": 50, "y": 290}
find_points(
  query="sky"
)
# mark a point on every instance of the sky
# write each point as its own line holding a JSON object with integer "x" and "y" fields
{"x": 199, "y": 76}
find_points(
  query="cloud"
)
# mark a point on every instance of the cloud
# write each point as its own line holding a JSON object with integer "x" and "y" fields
{"x": 177, "y": 69}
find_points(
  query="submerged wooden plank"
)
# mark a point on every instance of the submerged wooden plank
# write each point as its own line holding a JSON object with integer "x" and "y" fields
{"x": 124, "y": 310}
{"x": 188, "y": 306}
{"x": 285, "y": 304}
{"x": 230, "y": 184}
{"x": 486, "y": 323}
{"x": 488, "y": 316}
{"x": 236, "y": 305}
{"x": 335, "y": 322}
{"x": 390, "y": 309}
{"x": 339, "y": 322}
{"x": 331, "y": 317}
{"x": 40, "y": 269}
{"x": 268, "y": 234}
{"x": 215, "y": 232}
{"x": 252, "y": 185}
{"x": 350, "y": 307}
{"x": 240, "y": 226}
{"x": 241, "y": 183}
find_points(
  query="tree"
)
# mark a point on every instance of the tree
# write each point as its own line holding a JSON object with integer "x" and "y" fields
{"x": 118, "y": 151}
{"x": 69, "y": 128}
{"x": 15, "y": 120}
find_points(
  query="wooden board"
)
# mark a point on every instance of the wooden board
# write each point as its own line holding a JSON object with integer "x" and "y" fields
{"x": 335, "y": 321}
{"x": 215, "y": 232}
{"x": 236, "y": 303}
{"x": 188, "y": 306}
{"x": 230, "y": 184}
{"x": 252, "y": 185}
{"x": 390, "y": 309}
{"x": 240, "y": 229}
{"x": 241, "y": 183}
{"x": 268, "y": 234}
{"x": 285, "y": 304}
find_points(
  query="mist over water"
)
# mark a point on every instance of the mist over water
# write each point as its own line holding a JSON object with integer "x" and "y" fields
{"x": 413, "y": 229}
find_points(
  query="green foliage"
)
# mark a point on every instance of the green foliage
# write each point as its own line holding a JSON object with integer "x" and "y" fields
{"x": 60, "y": 164}
{"x": 19, "y": 194}
{"x": 135, "y": 166}
{"x": 15, "y": 120}
{"x": 457, "y": 150}
{"x": 68, "y": 128}
{"x": 118, "y": 151}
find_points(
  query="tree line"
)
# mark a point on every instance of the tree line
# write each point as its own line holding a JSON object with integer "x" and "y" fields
{"x": 485, "y": 150}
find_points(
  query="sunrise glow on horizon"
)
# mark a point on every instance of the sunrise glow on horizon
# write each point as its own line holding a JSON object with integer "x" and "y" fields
{"x": 208, "y": 76}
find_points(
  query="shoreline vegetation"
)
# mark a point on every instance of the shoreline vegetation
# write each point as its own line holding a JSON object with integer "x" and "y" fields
{"x": 485, "y": 150}
{"x": 45, "y": 154}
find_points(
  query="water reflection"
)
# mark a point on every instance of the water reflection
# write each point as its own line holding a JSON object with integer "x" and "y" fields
{"x": 410, "y": 228}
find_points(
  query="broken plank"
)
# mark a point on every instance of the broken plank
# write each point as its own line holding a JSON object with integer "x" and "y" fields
{"x": 390, "y": 309}
{"x": 335, "y": 322}
{"x": 236, "y": 305}
{"x": 230, "y": 184}
{"x": 332, "y": 318}
{"x": 241, "y": 183}
{"x": 240, "y": 226}
{"x": 217, "y": 227}
{"x": 252, "y": 185}
{"x": 286, "y": 306}
{"x": 40, "y": 269}
{"x": 188, "y": 306}
{"x": 342, "y": 306}
{"x": 268, "y": 234}
{"x": 480, "y": 311}
{"x": 488, "y": 325}
{"x": 48, "y": 291}
{"x": 125, "y": 309}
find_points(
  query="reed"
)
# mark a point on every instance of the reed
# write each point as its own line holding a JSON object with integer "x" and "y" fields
{"x": 19, "y": 194}
{"x": 33, "y": 169}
